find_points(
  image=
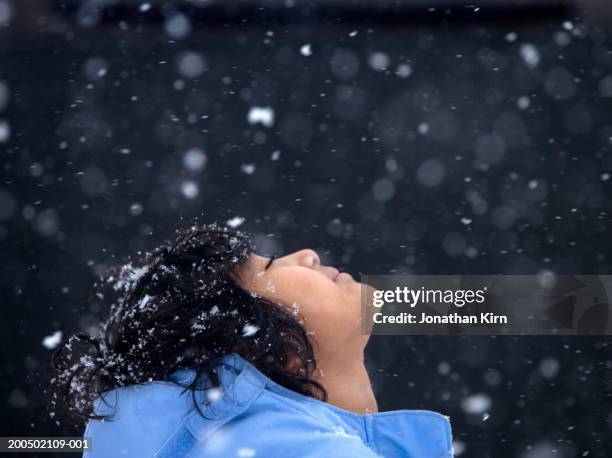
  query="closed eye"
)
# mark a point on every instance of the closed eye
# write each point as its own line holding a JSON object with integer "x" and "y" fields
{"x": 270, "y": 262}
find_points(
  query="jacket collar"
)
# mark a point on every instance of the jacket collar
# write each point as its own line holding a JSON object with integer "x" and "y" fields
{"x": 386, "y": 432}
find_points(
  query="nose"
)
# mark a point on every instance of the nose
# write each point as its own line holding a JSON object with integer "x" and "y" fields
{"x": 308, "y": 258}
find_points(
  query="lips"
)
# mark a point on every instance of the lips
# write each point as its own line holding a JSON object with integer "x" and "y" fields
{"x": 332, "y": 273}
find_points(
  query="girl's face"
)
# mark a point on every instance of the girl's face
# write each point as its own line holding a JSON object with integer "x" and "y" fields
{"x": 329, "y": 301}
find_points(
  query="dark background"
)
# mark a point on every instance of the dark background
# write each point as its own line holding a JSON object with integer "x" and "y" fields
{"x": 428, "y": 137}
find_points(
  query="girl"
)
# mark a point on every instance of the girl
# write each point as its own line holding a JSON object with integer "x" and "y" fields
{"x": 211, "y": 350}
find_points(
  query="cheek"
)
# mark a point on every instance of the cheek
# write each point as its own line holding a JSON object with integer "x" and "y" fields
{"x": 329, "y": 310}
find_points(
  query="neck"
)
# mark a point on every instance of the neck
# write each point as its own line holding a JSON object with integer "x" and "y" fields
{"x": 347, "y": 383}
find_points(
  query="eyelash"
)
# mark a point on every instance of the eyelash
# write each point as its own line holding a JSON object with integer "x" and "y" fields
{"x": 270, "y": 261}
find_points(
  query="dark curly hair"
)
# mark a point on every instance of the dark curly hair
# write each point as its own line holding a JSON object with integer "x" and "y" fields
{"x": 181, "y": 307}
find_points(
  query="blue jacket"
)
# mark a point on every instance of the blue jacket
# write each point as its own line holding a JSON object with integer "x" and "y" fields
{"x": 254, "y": 417}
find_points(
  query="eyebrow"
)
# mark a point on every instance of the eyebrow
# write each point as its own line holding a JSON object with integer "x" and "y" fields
{"x": 270, "y": 261}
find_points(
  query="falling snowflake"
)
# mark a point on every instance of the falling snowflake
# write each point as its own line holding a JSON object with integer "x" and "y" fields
{"x": 476, "y": 404}
{"x": 214, "y": 394}
{"x": 306, "y": 50}
{"x": 249, "y": 330}
{"x": 262, "y": 115}
{"x": 190, "y": 189}
{"x": 530, "y": 55}
{"x": 235, "y": 221}
{"x": 248, "y": 168}
{"x": 52, "y": 341}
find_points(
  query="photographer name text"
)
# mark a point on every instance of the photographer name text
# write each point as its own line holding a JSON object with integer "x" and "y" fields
{"x": 453, "y": 318}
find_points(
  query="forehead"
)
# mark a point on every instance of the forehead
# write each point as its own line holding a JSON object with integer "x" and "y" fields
{"x": 254, "y": 264}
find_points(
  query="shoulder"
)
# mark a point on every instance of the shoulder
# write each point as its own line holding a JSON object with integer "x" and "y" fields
{"x": 140, "y": 419}
{"x": 245, "y": 418}
{"x": 158, "y": 420}
{"x": 263, "y": 425}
